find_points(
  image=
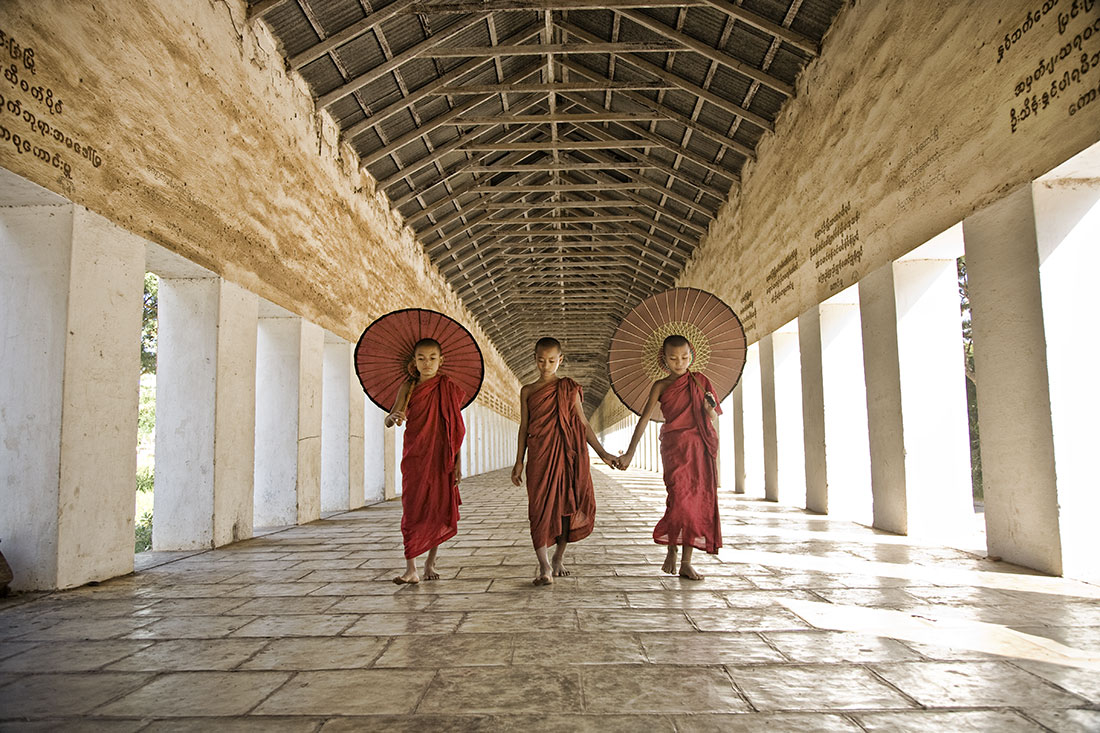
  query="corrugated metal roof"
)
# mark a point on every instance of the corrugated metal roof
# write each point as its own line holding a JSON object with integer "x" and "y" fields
{"x": 651, "y": 129}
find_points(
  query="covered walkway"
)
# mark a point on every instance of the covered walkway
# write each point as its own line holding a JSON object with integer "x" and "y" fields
{"x": 303, "y": 630}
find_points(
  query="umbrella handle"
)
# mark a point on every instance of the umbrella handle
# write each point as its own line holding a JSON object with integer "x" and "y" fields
{"x": 408, "y": 395}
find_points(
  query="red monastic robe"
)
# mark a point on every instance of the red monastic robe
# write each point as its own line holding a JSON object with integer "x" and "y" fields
{"x": 559, "y": 479}
{"x": 689, "y": 446}
{"x": 433, "y": 437}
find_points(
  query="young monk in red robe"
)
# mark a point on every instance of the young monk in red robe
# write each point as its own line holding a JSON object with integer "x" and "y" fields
{"x": 430, "y": 461}
{"x": 689, "y": 446}
{"x": 561, "y": 505}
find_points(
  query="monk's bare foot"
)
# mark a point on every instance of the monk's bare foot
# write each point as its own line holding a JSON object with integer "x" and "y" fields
{"x": 407, "y": 579}
{"x": 670, "y": 561}
{"x": 545, "y": 576}
{"x": 431, "y": 574}
{"x": 688, "y": 572}
{"x": 560, "y": 571}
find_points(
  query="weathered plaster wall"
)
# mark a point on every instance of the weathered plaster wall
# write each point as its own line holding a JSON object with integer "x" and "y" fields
{"x": 178, "y": 121}
{"x": 908, "y": 121}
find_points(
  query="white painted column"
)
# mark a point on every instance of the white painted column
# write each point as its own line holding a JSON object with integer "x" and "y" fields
{"x": 737, "y": 438}
{"x": 336, "y": 425}
{"x": 70, "y": 289}
{"x": 1031, "y": 258}
{"x": 357, "y": 406}
{"x": 467, "y": 466}
{"x": 374, "y": 452}
{"x": 838, "y": 458}
{"x": 726, "y": 464}
{"x": 1068, "y": 231}
{"x": 791, "y": 468}
{"x": 206, "y": 401}
{"x": 753, "y": 447}
{"x": 288, "y": 419}
{"x": 916, "y": 398}
{"x": 767, "y": 408}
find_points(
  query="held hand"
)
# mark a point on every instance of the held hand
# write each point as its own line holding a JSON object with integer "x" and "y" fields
{"x": 711, "y": 400}
{"x": 396, "y": 417}
{"x": 458, "y": 475}
{"x": 608, "y": 459}
{"x": 517, "y": 474}
{"x": 623, "y": 461}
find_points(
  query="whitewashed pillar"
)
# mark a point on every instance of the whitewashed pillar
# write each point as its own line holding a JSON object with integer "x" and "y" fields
{"x": 357, "y": 408}
{"x": 753, "y": 411}
{"x": 336, "y": 448}
{"x": 289, "y": 374}
{"x": 736, "y": 455}
{"x": 1031, "y": 261}
{"x": 374, "y": 452}
{"x": 916, "y": 398}
{"x": 70, "y": 324}
{"x": 781, "y": 399}
{"x": 834, "y": 398}
{"x": 206, "y": 401}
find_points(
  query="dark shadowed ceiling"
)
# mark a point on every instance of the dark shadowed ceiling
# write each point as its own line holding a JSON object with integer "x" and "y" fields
{"x": 558, "y": 159}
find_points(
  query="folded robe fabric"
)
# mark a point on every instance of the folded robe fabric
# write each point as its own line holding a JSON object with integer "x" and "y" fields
{"x": 559, "y": 480}
{"x": 433, "y": 437}
{"x": 689, "y": 445}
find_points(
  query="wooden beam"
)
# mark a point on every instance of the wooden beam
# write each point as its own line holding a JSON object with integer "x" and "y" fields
{"x": 548, "y": 166}
{"x": 601, "y": 219}
{"x": 559, "y": 204}
{"x": 799, "y": 41}
{"x": 709, "y": 52}
{"x": 720, "y": 138}
{"x": 542, "y": 119}
{"x": 515, "y": 188}
{"x": 262, "y": 8}
{"x": 562, "y": 145}
{"x": 432, "y": 87}
{"x": 353, "y": 85}
{"x": 659, "y": 141}
{"x": 560, "y": 86}
{"x": 349, "y": 33}
{"x": 473, "y": 6}
{"x": 688, "y": 86}
{"x": 557, "y": 49}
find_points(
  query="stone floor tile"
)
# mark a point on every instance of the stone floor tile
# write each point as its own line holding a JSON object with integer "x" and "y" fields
{"x": 832, "y": 647}
{"x": 695, "y": 648}
{"x": 348, "y": 692}
{"x": 519, "y": 621}
{"x": 412, "y": 724}
{"x": 318, "y": 653}
{"x": 895, "y": 598}
{"x": 974, "y": 684}
{"x": 191, "y": 627}
{"x": 1084, "y": 682}
{"x": 77, "y": 656}
{"x": 568, "y": 648}
{"x": 933, "y": 721}
{"x": 503, "y": 690}
{"x": 155, "y": 592}
{"x": 388, "y": 624}
{"x": 257, "y": 724}
{"x": 87, "y": 629}
{"x": 49, "y": 695}
{"x": 1067, "y": 721}
{"x": 11, "y": 648}
{"x": 659, "y": 689}
{"x": 770, "y": 722}
{"x": 190, "y": 655}
{"x": 745, "y": 619}
{"x": 306, "y": 624}
{"x": 182, "y": 694}
{"x": 260, "y": 590}
{"x": 84, "y": 725}
{"x": 447, "y": 650}
{"x": 483, "y": 601}
{"x": 279, "y": 606}
{"x": 815, "y": 687}
{"x": 765, "y": 598}
{"x": 675, "y": 599}
{"x": 640, "y": 620}
{"x": 383, "y": 604}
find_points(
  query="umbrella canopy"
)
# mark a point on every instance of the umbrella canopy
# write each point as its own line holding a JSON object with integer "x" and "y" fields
{"x": 384, "y": 354}
{"x": 714, "y": 330}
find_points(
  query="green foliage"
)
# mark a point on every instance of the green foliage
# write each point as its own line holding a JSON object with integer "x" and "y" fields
{"x": 143, "y": 533}
{"x": 145, "y": 480}
{"x": 971, "y": 383}
{"x": 149, "y": 325}
{"x": 147, "y": 410}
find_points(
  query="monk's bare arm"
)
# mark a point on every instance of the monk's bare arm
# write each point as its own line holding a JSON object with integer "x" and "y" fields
{"x": 397, "y": 414}
{"x": 651, "y": 404}
{"x": 521, "y": 442}
{"x": 590, "y": 434}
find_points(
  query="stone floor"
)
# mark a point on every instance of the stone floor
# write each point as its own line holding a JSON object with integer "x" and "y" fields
{"x": 803, "y": 624}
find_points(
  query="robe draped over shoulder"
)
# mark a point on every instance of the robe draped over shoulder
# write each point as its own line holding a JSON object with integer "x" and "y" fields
{"x": 689, "y": 446}
{"x": 433, "y": 436}
{"x": 559, "y": 478}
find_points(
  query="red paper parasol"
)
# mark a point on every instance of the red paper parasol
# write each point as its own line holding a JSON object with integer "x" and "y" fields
{"x": 714, "y": 330}
{"x": 385, "y": 351}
